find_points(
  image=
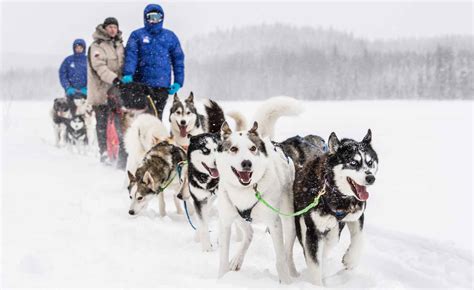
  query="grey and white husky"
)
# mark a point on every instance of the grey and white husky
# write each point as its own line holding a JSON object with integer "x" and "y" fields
{"x": 247, "y": 162}
{"x": 186, "y": 121}
{"x": 157, "y": 171}
{"x": 341, "y": 177}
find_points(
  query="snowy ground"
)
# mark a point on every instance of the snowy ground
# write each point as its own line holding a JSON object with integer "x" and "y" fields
{"x": 65, "y": 221}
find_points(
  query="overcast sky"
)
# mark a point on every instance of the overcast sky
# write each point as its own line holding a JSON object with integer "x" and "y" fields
{"x": 50, "y": 27}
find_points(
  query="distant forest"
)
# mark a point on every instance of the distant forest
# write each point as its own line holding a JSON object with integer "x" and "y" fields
{"x": 315, "y": 64}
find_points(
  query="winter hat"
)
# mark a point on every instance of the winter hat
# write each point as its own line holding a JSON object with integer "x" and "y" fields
{"x": 110, "y": 20}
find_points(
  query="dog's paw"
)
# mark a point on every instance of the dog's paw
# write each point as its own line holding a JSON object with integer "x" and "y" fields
{"x": 350, "y": 260}
{"x": 236, "y": 263}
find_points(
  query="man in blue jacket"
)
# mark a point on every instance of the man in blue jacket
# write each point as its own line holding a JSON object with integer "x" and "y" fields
{"x": 73, "y": 73}
{"x": 151, "y": 54}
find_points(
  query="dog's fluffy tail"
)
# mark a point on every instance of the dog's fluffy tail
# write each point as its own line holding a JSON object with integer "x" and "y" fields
{"x": 272, "y": 109}
{"x": 240, "y": 121}
{"x": 215, "y": 116}
{"x": 145, "y": 131}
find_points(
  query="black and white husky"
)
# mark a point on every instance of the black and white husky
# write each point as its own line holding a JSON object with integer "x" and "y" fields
{"x": 186, "y": 121}
{"x": 341, "y": 177}
{"x": 203, "y": 179}
{"x": 60, "y": 115}
{"x": 157, "y": 172}
{"x": 76, "y": 133}
{"x": 247, "y": 162}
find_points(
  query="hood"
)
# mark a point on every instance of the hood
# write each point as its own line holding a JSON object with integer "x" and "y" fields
{"x": 153, "y": 28}
{"x": 80, "y": 42}
{"x": 101, "y": 33}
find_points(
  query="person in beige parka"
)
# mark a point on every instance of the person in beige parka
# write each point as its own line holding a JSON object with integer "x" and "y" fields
{"x": 105, "y": 58}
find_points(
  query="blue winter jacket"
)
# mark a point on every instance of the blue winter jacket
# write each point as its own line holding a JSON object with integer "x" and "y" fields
{"x": 151, "y": 52}
{"x": 73, "y": 70}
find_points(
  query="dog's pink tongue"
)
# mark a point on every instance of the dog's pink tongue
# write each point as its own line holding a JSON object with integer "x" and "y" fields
{"x": 362, "y": 192}
{"x": 214, "y": 173}
{"x": 245, "y": 176}
{"x": 182, "y": 131}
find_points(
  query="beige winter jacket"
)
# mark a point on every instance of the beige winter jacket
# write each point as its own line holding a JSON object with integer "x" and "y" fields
{"x": 105, "y": 59}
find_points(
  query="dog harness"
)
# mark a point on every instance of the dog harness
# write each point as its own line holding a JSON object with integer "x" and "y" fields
{"x": 310, "y": 206}
{"x": 246, "y": 214}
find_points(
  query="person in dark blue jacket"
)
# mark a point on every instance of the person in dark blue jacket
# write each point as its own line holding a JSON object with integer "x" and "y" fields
{"x": 73, "y": 73}
{"x": 152, "y": 54}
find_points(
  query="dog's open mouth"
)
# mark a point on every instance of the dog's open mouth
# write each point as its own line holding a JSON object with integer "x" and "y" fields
{"x": 245, "y": 177}
{"x": 182, "y": 130}
{"x": 212, "y": 171}
{"x": 359, "y": 190}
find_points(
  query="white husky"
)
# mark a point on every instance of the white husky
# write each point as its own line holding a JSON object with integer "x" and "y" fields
{"x": 248, "y": 162}
{"x": 146, "y": 130}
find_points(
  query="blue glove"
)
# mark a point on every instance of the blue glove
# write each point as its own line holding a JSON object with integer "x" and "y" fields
{"x": 84, "y": 91}
{"x": 127, "y": 79}
{"x": 70, "y": 91}
{"x": 174, "y": 89}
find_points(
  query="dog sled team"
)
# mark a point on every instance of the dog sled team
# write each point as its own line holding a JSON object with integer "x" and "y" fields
{"x": 301, "y": 188}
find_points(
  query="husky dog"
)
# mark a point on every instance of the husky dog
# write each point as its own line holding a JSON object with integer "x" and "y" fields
{"x": 248, "y": 162}
{"x": 84, "y": 109}
{"x": 145, "y": 132}
{"x": 340, "y": 177}
{"x": 203, "y": 179}
{"x": 60, "y": 114}
{"x": 76, "y": 134}
{"x": 302, "y": 149}
{"x": 157, "y": 171}
{"x": 186, "y": 121}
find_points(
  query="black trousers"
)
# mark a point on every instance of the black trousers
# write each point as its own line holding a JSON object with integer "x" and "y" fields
{"x": 160, "y": 96}
{"x": 101, "y": 115}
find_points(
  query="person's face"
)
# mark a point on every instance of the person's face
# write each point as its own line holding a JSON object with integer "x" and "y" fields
{"x": 112, "y": 30}
{"x": 78, "y": 49}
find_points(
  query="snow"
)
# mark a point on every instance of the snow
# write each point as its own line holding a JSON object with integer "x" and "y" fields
{"x": 65, "y": 221}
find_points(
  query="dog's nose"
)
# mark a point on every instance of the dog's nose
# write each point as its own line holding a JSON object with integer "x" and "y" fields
{"x": 370, "y": 179}
{"x": 131, "y": 212}
{"x": 246, "y": 165}
{"x": 183, "y": 122}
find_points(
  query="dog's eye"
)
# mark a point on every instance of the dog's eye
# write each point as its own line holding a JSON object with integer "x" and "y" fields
{"x": 130, "y": 196}
{"x": 178, "y": 113}
{"x": 353, "y": 163}
{"x": 188, "y": 113}
{"x": 140, "y": 198}
{"x": 253, "y": 148}
{"x": 370, "y": 163}
{"x": 205, "y": 151}
{"x": 234, "y": 149}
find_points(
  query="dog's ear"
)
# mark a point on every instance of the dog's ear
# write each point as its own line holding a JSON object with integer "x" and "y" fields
{"x": 190, "y": 99}
{"x": 254, "y": 128}
{"x": 175, "y": 98}
{"x": 155, "y": 140}
{"x": 225, "y": 130}
{"x": 148, "y": 179}
{"x": 333, "y": 143}
{"x": 368, "y": 137}
{"x": 131, "y": 178}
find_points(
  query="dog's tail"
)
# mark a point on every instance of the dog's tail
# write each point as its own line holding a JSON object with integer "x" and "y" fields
{"x": 240, "y": 121}
{"x": 272, "y": 109}
{"x": 215, "y": 116}
{"x": 145, "y": 131}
